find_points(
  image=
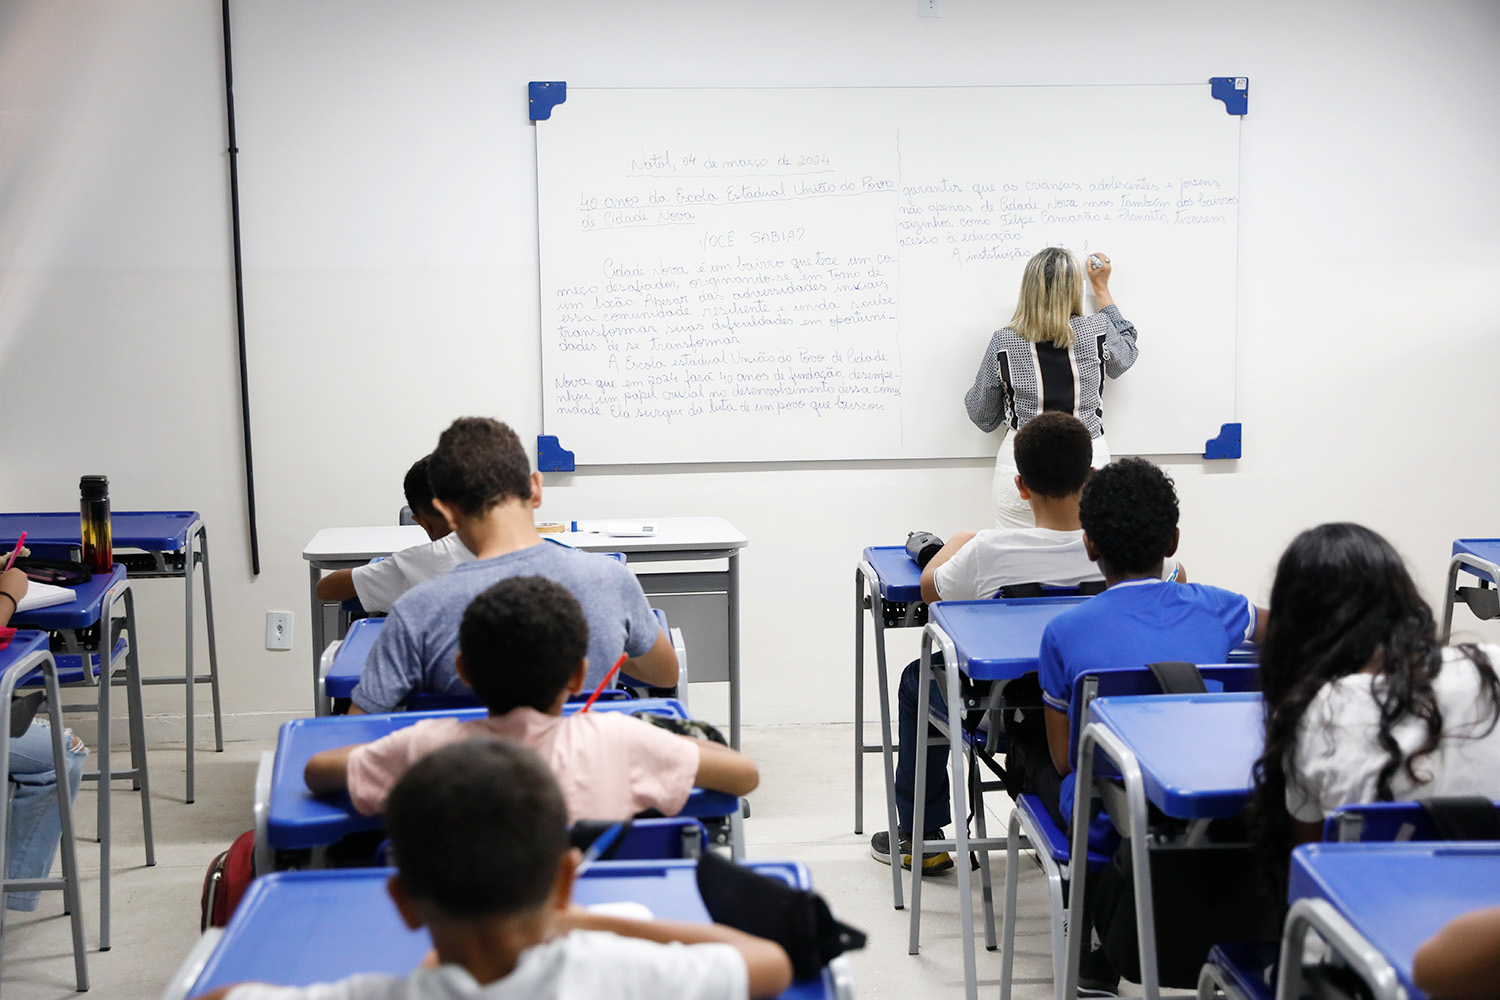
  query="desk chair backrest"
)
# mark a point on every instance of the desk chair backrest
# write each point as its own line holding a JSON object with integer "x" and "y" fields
{"x": 1386, "y": 822}
{"x": 404, "y": 516}
{"x": 1023, "y": 591}
{"x": 1228, "y": 677}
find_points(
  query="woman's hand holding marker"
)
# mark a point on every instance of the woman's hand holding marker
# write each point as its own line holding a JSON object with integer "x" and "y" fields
{"x": 1099, "y": 269}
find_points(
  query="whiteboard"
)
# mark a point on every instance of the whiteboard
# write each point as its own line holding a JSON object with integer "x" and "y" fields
{"x": 786, "y": 275}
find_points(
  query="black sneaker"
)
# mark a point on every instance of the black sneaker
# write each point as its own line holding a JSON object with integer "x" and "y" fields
{"x": 933, "y": 863}
{"x": 1096, "y": 977}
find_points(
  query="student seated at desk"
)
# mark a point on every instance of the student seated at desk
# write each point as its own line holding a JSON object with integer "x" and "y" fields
{"x": 480, "y": 839}
{"x": 1129, "y": 516}
{"x": 1052, "y": 453}
{"x": 379, "y": 584}
{"x": 1363, "y": 704}
{"x": 482, "y": 482}
{"x": 521, "y": 648}
{"x": 35, "y": 826}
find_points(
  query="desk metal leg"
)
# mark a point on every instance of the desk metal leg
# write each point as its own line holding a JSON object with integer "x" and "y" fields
{"x": 734, "y": 649}
{"x": 1448, "y": 595}
{"x": 190, "y": 678}
{"x": 919, "y": 794}
{"x": 106, "y": 673}
{"x": 213, "y": 650}
{"x": 859, "y": 702}
{"x": 888, "y": 760}
{"x": 136, "y": 704}
{"x": 72, "y": 900}
{"x": 314, "y": 575}
{"x": 1098, "y": 737}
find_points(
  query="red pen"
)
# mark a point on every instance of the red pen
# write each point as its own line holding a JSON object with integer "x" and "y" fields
{"x": 604, "y": 683}
{"x": 14, "y": 552}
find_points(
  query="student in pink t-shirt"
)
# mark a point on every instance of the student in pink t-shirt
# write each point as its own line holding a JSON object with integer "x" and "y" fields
{"x": 522, "y": 647}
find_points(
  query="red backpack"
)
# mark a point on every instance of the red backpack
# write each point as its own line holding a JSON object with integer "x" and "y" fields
{"x": 229, "y": 875}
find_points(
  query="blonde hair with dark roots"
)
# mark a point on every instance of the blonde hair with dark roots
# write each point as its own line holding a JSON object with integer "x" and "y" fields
{"x": 1051, "y": 294}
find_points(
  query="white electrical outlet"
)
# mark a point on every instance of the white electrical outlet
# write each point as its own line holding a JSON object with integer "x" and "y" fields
{"x": 278, "y": 630}
{"x": 929, "y": 8}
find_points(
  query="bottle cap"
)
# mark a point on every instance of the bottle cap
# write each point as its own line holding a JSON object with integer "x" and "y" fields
{"x": 94, "y": 487}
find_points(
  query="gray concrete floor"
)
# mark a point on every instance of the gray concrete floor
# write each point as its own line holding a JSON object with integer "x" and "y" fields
{"x": 802, "y": 811}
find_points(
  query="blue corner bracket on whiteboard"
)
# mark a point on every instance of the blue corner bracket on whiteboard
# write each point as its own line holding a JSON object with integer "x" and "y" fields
{"x": 1226, "y": 445}
{"x": 553, "y": 457}
{"x": 546, "y": 96}
{"x": 1234, "y": 91}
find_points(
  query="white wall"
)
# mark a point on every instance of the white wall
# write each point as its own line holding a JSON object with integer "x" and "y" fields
{"x": 388, "y": 197}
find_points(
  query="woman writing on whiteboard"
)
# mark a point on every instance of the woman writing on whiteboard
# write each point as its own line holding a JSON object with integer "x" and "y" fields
{"x": 1050, "y": 357}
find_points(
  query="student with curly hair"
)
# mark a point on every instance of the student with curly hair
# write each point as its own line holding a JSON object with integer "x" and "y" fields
{"x": 1362, "y": 703}
{"x": 1129, "y": 517}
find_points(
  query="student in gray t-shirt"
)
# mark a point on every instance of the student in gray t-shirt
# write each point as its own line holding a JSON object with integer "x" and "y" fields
{"x": 482, "y": 480}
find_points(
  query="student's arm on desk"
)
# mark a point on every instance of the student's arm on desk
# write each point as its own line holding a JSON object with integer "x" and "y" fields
{"x": 337, "y": 586}
{"x": 769, "y": 968}
{"x": 657, "y": 666}
{"x": 1262, "y": 619}
{"x": 929, "y": 572}
{"x": 1462, "y": 961}
{"x": 721, "y": 769}
{"x": 327, "y": 771}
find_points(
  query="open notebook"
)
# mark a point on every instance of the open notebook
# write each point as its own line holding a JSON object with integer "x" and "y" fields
{"x": 44, "y": 595}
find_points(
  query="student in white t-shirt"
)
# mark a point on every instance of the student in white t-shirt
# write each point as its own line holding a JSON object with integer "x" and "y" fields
{"x": 1363, "y": 704}
{"x": 480, "y": 840}
{"x": 379, "y": 584}
{"x": 1053, "y": 452}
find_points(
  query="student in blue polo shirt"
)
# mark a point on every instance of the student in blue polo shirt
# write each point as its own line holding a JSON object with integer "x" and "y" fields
{"x": 1129, "y": 517}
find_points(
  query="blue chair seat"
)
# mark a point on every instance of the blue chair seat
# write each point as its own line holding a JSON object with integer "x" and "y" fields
{"x": 1054, "y": 839}
{"x": 70, "y": 666}
{"x": 1248, "y": 966}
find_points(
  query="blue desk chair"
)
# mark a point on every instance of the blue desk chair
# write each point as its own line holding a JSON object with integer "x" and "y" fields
{"x": 1480, "y": 558}
{"x": 28, "y": 655}
{"x": 1382, "y": 822}
{"x": 299, "y": 928}
{"x": 289, "y": 818}
{"x": 1373, "y": 905}
{"x": 90, "y": 663}
{"x": 1048, "y": 841}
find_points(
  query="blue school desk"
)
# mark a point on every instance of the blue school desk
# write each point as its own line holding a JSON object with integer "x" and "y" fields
{"x": 888, "y": 584}
{"x": 1374, "y": 904}
{"x": 299, "y": 928}
{"x": 1480, "y": 558}
{"x": 174, "y": 543}
{"x": 1191, "y": 756}
{"x": 94, "y": 604}
{"x": 27, "y": 655}
{"x": 288, "y": 817}
{"x": 344, "y": 660}
{"x": 994, "y": 640}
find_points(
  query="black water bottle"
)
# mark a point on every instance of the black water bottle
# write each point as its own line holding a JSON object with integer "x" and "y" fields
{"x": 98, "y": 550}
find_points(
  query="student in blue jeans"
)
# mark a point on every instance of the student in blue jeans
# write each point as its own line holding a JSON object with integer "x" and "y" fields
{"x": 35, "y": 826}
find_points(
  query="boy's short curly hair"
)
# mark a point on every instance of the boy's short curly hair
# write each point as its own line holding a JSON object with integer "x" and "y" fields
{"x": 479, "y": 463}
{"x": 1129, "y": 511}
{"x": 478, "y": 829}
{"x": 1053, "y": 454}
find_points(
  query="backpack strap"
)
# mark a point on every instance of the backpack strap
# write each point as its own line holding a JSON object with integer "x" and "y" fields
{"x": 1463, "y": 817}
{"x": 1176, "y": 677}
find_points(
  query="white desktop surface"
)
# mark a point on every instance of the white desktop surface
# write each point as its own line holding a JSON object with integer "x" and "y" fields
{"x": 363, "y": 543}
{"x": 673, "y": 533}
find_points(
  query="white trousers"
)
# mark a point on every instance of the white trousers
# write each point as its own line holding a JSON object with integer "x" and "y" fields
{"x": 1010, "y": 510}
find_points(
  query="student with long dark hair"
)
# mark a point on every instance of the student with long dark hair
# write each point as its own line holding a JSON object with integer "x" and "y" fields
{"x": 1362, "y": 703}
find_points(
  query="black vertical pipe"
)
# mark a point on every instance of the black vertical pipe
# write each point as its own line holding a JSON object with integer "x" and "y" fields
{"x": 239, "y": 293}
